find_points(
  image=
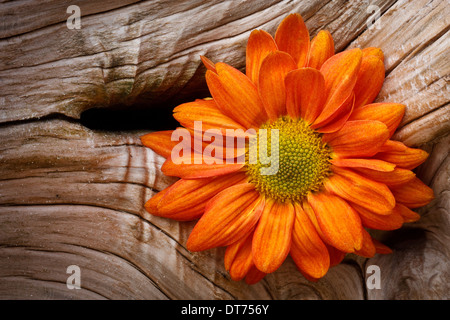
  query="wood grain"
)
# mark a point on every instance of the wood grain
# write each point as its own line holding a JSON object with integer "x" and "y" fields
{"x": 71, "y": 195}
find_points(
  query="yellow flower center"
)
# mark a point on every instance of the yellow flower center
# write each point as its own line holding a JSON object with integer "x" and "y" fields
{"x": 290, "y": 161}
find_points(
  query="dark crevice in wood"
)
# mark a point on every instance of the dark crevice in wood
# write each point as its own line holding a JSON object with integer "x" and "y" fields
{"x": 124, "y": 118}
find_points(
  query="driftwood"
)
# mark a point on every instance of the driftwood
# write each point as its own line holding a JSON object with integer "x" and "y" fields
{"x": 73, "y": 195}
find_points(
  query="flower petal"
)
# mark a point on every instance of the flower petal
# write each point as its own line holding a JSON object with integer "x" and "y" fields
{"x": 407, "y": 214}
{"x": 195, "y": 166}
{"x": 292, "y": 37}
{"x": 205, "y": 111}
{"x": 259, "y": 45}
{"x": 152, "y": 204}
{"x": 160, "y": 142}
{"x": 372, "y": 164}
{"x": 254, "y": 275}
{"x": 409, "y": 159}
{"x": 185, "y": 194}
{"x": 305, "y": 94}
{"x": 389, "y": 113}
{"x": 370, "y": 80}
{"x": 381, "y": 248}
{"x": 340, "y": 73}
{"x": 339, "y": 118}
{"x": 376, "y": 221}
{"x": 208, "y": 64}
{"x": 336, "y": 256}
{"x": 238, "y": 258}
{"x": 373, "y": 51}
{"x": 368, "y": 249}
{"x": 413, "y": 194}
{"x": 307, "y": 249}
{"x": 394, "y": 178}
{"x": 236, "y": 96}
{"x": 191, "y": 213}
{"x": 340, "y": 224}
{"x": 229, "y": 215}
{"x": 219, "y": 144}
{"x": 312, "y": 217}
{"x": 271, "y": 85}
{"x": 357, "y": 189}
{"x": 272, "y": 238}
{"x": 322, "y": 48}
{"x": 392, "y": 145}
{"x": 359, "y": 138}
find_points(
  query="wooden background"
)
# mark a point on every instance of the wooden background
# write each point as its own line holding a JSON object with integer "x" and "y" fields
{"x": 72, "y": 190}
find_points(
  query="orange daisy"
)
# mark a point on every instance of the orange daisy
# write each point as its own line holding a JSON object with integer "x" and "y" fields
{"x": 337, "y": 174}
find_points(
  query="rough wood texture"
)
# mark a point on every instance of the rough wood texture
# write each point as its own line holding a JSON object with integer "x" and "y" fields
{"x": 70, "y": 195}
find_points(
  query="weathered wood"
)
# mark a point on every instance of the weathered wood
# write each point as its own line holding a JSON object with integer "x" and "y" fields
{"x": 146, "y": 54}
{"x": 416, "y": 58}
{"x": 70, "y": 195}
{"x": 420, "y": 268}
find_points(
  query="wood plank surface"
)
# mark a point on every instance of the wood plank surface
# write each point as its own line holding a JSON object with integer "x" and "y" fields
{"x": 74, "y": 195}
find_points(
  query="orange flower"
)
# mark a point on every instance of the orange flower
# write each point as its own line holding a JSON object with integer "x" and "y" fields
{"x": 337, "y": 171}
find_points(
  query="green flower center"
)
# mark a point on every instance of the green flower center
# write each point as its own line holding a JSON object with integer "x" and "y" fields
{"x": 288, "y": 162}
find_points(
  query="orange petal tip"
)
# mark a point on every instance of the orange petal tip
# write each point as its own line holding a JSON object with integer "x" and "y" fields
{"x": 208, "y": 64}
{"x": 292, "y": 37}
